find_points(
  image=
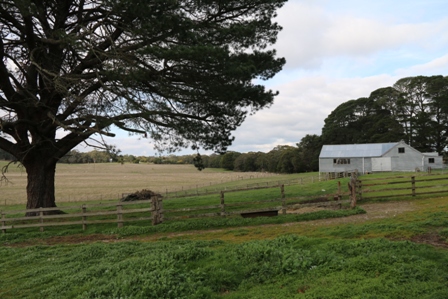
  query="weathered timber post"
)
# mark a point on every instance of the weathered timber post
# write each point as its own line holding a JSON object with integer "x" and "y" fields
{"x": 352, "y": 186}
{"x": 41, "y": 218}
{"x": 339, "y": 190}
{"x": 154, "y": 210}
{"x": 160, "y": 209}
{"x": 282, "y": 190}
{"x": 119, "y": 215}
{"x": 413, "y": 185}
{"x": 359, "y": 189}
{"x": 84, "y": 218}
{"x": 3, "y": 222}
{"x": 156, "y": 206}
{"x": 223, "y": 206}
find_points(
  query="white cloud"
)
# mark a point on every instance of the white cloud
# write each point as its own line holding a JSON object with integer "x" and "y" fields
{"x": 311, "y": 35}
{"x": 437, "y": 66}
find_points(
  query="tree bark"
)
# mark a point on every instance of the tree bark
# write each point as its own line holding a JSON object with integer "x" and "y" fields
{"x": 40, "y": 187}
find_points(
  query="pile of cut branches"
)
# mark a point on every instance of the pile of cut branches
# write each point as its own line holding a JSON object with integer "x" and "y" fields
{"x": 141, "y": 195}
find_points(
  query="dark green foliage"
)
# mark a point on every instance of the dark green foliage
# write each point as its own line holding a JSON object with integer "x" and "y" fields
{"x": 5, "y": 155}
{"x": 413, "y": 109}
{"x": 182, "y": 73}
{"x": 228, "y": 160}
{"x": 361, "y": 121}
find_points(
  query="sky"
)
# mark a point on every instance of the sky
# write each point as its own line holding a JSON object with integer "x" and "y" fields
{"x": 335, "y": 51}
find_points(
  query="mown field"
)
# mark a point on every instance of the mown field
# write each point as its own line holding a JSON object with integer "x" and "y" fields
{"x": 397, "y": 249}
{"x": 81, "y": 182}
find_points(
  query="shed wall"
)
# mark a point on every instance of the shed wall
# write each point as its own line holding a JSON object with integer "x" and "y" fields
{"x": 406, "y": 159}
{"x": 360, "y": 164}
{"x": 410, "y": 160}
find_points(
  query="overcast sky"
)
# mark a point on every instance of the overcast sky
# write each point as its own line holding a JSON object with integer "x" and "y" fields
{"x": 336, "y": 51}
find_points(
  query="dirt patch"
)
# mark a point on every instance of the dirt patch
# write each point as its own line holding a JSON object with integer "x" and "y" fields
{"x": 374, "y": 211}
{"x": 431, "y": 239}
{"x": 73, "y": 239}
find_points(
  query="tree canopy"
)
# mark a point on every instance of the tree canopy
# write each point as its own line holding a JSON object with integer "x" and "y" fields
{"x": 177, "y": 71}
{"x": 414, "y": 109}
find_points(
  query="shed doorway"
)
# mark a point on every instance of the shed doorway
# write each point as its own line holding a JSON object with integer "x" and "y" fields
{"x": 381, "y": 164}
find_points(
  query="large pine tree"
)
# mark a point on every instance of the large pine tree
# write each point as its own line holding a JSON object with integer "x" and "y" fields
{"x": 180, "y": 71}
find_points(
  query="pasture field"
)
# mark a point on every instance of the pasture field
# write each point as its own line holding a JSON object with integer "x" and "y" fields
{"x": 103, "y": 181}
{"x": 398, "y": 249}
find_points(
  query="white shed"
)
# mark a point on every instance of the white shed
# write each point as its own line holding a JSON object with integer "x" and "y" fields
{"x": 372, "y": 157}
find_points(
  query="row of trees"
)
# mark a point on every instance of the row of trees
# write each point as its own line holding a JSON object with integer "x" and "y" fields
{"x": 414, "y": 109}
{"x": 303, "y": 157}
{"x": 100, "y": 156}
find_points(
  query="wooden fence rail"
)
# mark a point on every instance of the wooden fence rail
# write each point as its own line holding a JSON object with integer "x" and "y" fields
{"x": 154, "y": 211}
{"x": 402, "y": 186}
{"x": 83, "y": 215}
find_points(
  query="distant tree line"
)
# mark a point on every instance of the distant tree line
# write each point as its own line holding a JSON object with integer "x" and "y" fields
{"x": 414, "y": 109}
{"x": 303, "y": 157}
{"x": 6, "y": 156}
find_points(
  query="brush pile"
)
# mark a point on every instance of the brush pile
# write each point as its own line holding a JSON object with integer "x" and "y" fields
{"x": 141, "y": 195}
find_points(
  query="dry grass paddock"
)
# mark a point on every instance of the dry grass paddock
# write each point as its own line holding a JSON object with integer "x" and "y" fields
{"x": 80, "y": 182}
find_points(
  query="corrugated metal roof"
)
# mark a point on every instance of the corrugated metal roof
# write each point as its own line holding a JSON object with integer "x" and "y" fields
{"x": 355, "y": 150}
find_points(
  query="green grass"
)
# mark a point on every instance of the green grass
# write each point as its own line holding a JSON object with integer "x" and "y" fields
{"x": 381, "y": 188}
{"x": 234, "y": 257}
{"x": 285, "y": 267}
{"x": 31, "y": 235}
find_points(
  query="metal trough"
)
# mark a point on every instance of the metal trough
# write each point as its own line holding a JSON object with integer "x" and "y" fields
{"x": 271, "y": 213}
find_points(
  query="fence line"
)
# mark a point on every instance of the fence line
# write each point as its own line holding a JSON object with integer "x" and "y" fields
{"x": 401, "y": 186}
{"x": 252, "y": 186}
{"x": 40, "y": 217}
{"x": 198, "y": 189}
{"x": 153, "y": 211}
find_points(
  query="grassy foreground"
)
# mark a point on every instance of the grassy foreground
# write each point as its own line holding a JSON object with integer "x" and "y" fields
{"x": 293, "y": 256}
{"x": 286, "y": 267}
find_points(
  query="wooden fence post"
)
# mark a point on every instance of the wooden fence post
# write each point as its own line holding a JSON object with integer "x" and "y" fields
{"x": 160, "y": 208}
{"x": 3, "y": 221}
{"x": 223, "y": 206}
{"x": 41, "y": 217}
{"x": 282, "y": 190}
{"x": 359, "y": 189}
{"x": 84, "y": 218}
{"x": 156, "y": 206}
{"x": 352, "y": 186}
{"x": 154, "y": 210}
{"x": 119, "y": 216}
{"x": 339, "y": 190}
{"x": 413, "y": 185}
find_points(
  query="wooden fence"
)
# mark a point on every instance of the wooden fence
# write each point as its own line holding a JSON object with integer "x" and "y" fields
{"x": 401, "y": 186}
{"x": 84, "y": 215}
{"x": 154, "y": 212}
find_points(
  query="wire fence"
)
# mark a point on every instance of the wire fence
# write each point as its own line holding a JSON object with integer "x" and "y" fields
{"x": 264, "y": 180}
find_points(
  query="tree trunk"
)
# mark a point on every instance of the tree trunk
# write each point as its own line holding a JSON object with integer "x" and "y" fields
{"x": 40, "y": 187}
